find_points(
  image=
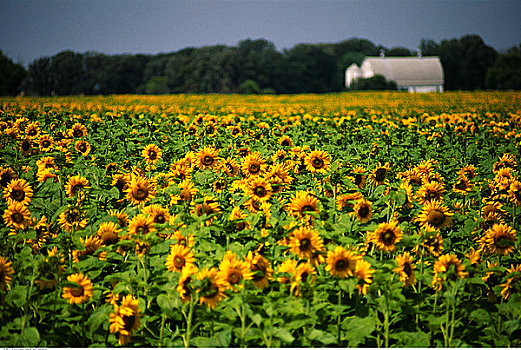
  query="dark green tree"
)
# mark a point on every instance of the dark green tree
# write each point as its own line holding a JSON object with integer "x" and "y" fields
{"x": 376, "y": 82}
{"x": 11, "y": 76}
{"x": 39, "y": 79}
{"x": 505, "y": 74}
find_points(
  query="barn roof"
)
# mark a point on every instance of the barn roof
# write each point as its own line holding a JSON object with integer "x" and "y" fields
{"x": 408, "y": 70}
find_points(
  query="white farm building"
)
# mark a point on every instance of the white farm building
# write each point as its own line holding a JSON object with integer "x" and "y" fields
{"x": 414, "y": 74}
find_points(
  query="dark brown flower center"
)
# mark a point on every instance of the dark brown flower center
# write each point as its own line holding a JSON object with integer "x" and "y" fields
{"x": 260, "y": 191}
{"x": 186, "y": 195}
{"x": 77, "y": 292}
{"x": 77, "y": 133}
{"x": 208, "y": 160}
{"x": 307, "y": 208}
{"x": 32, "y": 132}
{"x": 17, "y": 218}
{"x": 140, "y": 194}
{"x": 358, "y": 179}
{"x": 388, "y": 237}
{"x": 407, "y": 269}
{"x": 160, "y": 219}
{"x": 502, "y": 242}
{"x": 82, "y": 148}
{"x": 305, "y": 244}
{"x": 436, "y": 218}
{"x": 152, "y": 155}
{"x": 18, "y": 195}
{"x": 254, "y": 168}
{"x": 317, "y": 163}
{"x": 234, "y": 277}
{"x": 461, "y": 185}
{"x": 73, "y": 215}
{"x": 141, "y": 230}
{"x": 179, "y": 262}
{"x": 380, "y": 174}
{"x": 363, "y": 212}
{"x": 46, "y": 143}
{"x": 129, "y": 322}
{"x": 341, "y": 265}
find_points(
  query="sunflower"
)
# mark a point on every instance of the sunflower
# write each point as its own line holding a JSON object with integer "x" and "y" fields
{"x": 253, "y": 164}
{"x": 213, "y": 287}
{"x": 17, "y": 216}
{"x": 121, "y": 216}
{"x": 184, "y": 287}
{"x": 278, "y": 176}
{"x": 286, "y": 141}
{"x": 359, "y": 176}
{"x": 499, "y": 240}
{"x": 513, "y": 284}
{"x": 234, "y": 271}
{"x": 219, "y": 186}
{"x": 18, "y": 191}
{"x": 78, "y": 131}
{"x": 447, "y": 267}
{"x": 341, "y": 262}
{"x": 140, "y": 190}
{"x": 152, "y": 154}
{"x": 462, "y": 185}
{"x": 304, "y": 273}
{"x": 46, "y": 174}
{"x": 261, "y": 269}
{"x": 468, "y": 171}
{"x": 208, "y": 158}
{"x": 6, "y": 271}
{"x": 187, "y": 241}
{"x": 26, "y": 146}
{"x": 378, "y": 175}
{"x": 305, "y": 242}
{"x": 83, "y": 147}
{"x": 81, "y": 293}
{"x": 159, "y": 214}
{"x": 208, "y": 207}
{"x": 6, "y": 176}
{"x": 33, "y": 130}
{"x": 318, "y": 162}
{"x": 180, "y": 258}
{"x": 259, "y": 189}
{"x": 230, "y": 167}
{"x": 188, "y": 192}
{"x": 125, "y": 319}
{"x": 364, "y": 274}
{"x": 434, "y": 216}
{"x": 238, "y": 217}
{"x": 363, "y": 210}
{"x": 108, "y": 233}
{"x": 346, "y": 200}
{"x": 301, "y": 203}
{"x": 430, "y": 191}
{"x": 45, "y": 143}
{"x": 76, "y": 184}
{"x": 386, "y": 235}
{"x": 279, "y": 156}
{"x": 507, "y": 160}
{"x": 514, "y": 193}
{"x": 412, "y": 176}
{"x": 72, "y": 218}
{"x": 141, "y": 224}
{"x": 405, "y": 269}
{"x": 91, "y": 244}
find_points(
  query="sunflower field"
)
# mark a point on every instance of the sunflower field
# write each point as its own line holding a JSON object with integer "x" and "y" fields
{"x": 340, "y": 220}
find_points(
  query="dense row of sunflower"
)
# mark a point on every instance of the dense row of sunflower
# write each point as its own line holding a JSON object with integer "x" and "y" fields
{"x": 269, "y": 221}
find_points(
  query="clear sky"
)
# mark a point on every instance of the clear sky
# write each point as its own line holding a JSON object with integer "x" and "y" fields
{"x": 36, "y": 28}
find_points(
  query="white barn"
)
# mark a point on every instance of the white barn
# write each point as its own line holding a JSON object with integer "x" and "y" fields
{"x": 414, "y": 74}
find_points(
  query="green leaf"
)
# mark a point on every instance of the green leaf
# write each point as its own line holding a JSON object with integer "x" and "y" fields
{"x": 284, "y": 335}
{"x": 480, "y": 316}
{"x": 220, "y": 339}
{"x": 412, "y": 339}
{"x": 321, "y": 336}
{"x": 167, "y": 303}
{"x": 31, "y": 336}
{"x": 16, "y": 296}
{"x": 357, "y": 329}
{"x": 97, "y": 319}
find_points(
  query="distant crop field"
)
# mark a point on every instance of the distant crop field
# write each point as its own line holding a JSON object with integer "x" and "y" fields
{"x": 339, "y": 220}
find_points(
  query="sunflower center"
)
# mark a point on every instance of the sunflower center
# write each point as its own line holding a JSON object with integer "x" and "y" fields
{"x": 17, "y": 218}
{"x": 341, "y": 265}
{"x": 140, "y": 194}
{"x": 26, "y": 145}
{"x": 285, "y": 143}
{"x": 489, "y": 209}
{"x": 152, "y": 155}
{"x": 32, "y": 132}
{"x": 82, "y": 148}
{"x": 461, "y": 185}
{"x": 317, "y": 163}
{"x": 186, "y": 195}
{"x": 254, "y": 168}
{"x": 363, "y": 212}
{"x": 407, "y": 269}
{"x": 77, "y": 133}
{"x": 77, "y": 292}
{"x": 208, "y": 160}
{"x": 436, "y": 218}
{"x": 160, "y": 219}
{"x": 208, "y": 209}
{"x": 380, "y": 174}
{"x": 141, "y": 230}
{"x": 358, "y": 179}
{"x": 179, "y": 262}
{"x": 241, "y": 226}
{"x": 234, "y": 277}
{"x": 73, "y": 215}
{"x": 109, "y": 237}
{"x": 304, "y": 276}
{"x": 129, "y": 322}
{"x": 76, "y": 188}
{"x": 502, "y": 242}
{"x": 46, "y": 144}
{"x": 415, "y": 180}
{"x": 18, "y": 195}
{"x": 260, "y": 191}
{"x": 388, "y": 237}
{"x": 305, "y": 244}
{"x": 432, "y": 195}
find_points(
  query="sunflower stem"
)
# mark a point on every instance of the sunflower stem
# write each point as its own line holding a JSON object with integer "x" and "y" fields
{"x": 188, "y": 332}
{"x": 161, "y": 331}
{"x": 83, "y": 333}
{"x": 339, "y": 318}
{"x": 386, "y": 321}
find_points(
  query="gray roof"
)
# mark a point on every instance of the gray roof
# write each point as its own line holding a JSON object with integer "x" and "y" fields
{"x": 408, "y": 70}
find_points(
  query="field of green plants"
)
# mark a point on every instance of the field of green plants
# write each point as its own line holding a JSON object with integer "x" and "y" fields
{"x": 342, "y": 220}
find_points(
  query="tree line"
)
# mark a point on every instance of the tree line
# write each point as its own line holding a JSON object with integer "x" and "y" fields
{"x": 253, "y": 66}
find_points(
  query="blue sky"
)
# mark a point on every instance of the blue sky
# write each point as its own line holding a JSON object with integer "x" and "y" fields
{"x": 32, "y": 29}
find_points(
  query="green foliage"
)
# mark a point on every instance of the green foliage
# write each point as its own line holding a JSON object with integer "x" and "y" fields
{"x": 376, "y": 82}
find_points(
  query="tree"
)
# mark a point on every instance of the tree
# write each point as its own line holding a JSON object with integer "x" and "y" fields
{"x": 39, "y": 77}
{"x": 398, "y": 51}
{"x": 376, "y": 82}
{"x": 67, "y": 74}
{"x": 11, "y": 76}
{"x": 249, "y": 87}
{"x": 505, "y": 74}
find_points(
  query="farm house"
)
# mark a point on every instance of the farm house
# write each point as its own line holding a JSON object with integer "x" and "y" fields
{"x": 414, "y": 74}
